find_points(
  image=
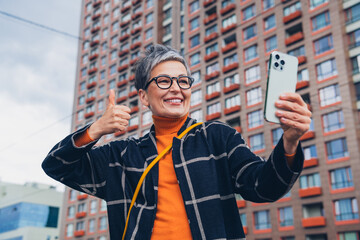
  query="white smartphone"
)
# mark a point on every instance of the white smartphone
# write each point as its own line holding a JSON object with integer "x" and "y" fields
{"x": 282, "y": 77}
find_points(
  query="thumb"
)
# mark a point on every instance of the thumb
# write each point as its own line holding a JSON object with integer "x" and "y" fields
{"x": 111, "y": 98}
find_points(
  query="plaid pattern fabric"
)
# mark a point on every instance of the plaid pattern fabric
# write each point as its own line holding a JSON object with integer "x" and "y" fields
{"x": 212, "y": 162}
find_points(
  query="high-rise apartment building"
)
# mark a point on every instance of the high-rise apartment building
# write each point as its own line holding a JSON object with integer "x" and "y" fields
{"x": 227, "y": 44}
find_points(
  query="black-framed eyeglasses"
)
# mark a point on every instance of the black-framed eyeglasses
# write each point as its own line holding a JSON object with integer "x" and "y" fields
{"x": 165, "y": 82}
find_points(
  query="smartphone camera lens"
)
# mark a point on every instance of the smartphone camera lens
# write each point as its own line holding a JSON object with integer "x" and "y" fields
{"x": 276, "y": 64}
{"x": 282, "y": 62}
{"x": 277, "y": 56}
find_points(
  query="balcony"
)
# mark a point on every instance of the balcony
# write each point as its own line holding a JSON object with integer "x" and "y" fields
{"x": 229, "y": 47}
{"x": 228, "y": 28}
{"x": 230, "y": 67}
{"x": 136, "y": 30}
{"x": 301, "y": 59}
{"x": 92, "y": 70}
{"x": 135, "y": 45}
{"x": 302, "y": 84}
{"x": 211, "y": 37}
{"x": 134, "y": 2}
{"x": 292, "y": 16}
{"x": 94, "y": 43}
{"x": 133, "y": 61}
{"x": 231, "y": 88}
{"x": 294, "y": 38}
{"x": 228, "y": 8}
{"x": 123, "y": 24}
{"x": 122, "y": 83}
{"x": 96, "y": 3}
{"x": 211, "y": 56}
{"x": 241, "y": 203}
{"x": 207, "y": 3}
{"x": 238, "y": 129}
{"x": 123, "y": 52}
{"x": 132, "y": 128}
{"x": 82, "y": 197}
{"x": 96, "y": 16}
{"x": 132, "y": 93}
{"x": 89, "y": 114}
{"x": 93, "y": 56}
{"x": 123, "y": 67}
{"x": 125, "y": 9}
{"x": 211, "y": 96}
{"x": 79, "y": 233}
{"x": 310, "y": 192}
{"x": 80, "y": 215}
{"x": 90, "y": 99}
{"x": 212, "y": 75}
{"x": 210, "y": 18}
{"x": 136, "y": 15}
{"x": 134, "y": 109}
{"x": 91, "y": 85}
{"x": 313, "y": 222}
{"x": 312, "y": 162}
{"x": 121, "y": 99}
{"x": 230, "y": 110}
{"x": 245, "y": 228}
{"x": 132, "y": 77}
{"x": 95, "y": 29}
{"x": 119, "y": 133}
{"x": 124, "y": 37}
{"x": 213, "y": 116}
{"x": 308, "y": 135}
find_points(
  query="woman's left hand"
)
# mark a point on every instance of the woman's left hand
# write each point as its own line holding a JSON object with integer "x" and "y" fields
{"x": 295, "y": 119}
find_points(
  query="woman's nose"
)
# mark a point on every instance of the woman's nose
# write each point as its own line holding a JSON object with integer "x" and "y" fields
{"x": 174, "y": 85}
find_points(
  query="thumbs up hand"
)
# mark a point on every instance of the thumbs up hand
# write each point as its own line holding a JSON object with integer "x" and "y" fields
{"x": 116, "y": 118}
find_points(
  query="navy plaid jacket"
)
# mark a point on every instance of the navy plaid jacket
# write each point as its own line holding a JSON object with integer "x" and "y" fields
{"x": 212, "y": 162}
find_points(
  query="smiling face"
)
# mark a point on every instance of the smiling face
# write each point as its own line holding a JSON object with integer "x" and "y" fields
{"x": 173, "y": 102}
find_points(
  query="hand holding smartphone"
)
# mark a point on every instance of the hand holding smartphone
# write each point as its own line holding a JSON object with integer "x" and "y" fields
{"x": 282, "y": 77}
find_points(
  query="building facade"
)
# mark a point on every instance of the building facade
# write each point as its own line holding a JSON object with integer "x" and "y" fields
{"x": 227, "y": 44}
{"x": 29, "y": 212}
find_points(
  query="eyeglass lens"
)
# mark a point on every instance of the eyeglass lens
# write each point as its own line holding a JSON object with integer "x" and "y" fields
{"x": 165, "y": 82}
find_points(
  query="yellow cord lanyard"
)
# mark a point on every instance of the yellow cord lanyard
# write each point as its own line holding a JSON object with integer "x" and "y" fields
{"x": 141, "y": 180}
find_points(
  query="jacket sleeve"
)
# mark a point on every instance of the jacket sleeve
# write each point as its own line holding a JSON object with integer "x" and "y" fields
{"x": 82, "y": 168}
{"x": 260, "y": 180}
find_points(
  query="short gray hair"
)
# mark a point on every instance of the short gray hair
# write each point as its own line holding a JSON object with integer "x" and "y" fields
{"x": 153, "y": 56}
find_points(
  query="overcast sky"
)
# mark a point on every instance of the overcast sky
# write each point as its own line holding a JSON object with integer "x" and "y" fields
{"x": 37, "y": 76}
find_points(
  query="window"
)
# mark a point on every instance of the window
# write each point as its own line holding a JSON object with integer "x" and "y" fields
{"x": 310, "y": 181}
{"x": 134, "y": 121}
{"x": 310, "y": 152}
{"x": 167, "y": 14}
{"x": 276, "y": 135}
{"x": 229, "y": 21}
{"x": 212, "y": 68}
{"x": 113, "y": 55}
{"x": 354, "y": 38}
{"x": 80, "y": 115}
{"x": 341, "y": 178}
{"x": 146, "y": 118}
{"x": 70, "y": 230}
{"x": 234, "y": 79}
{"x": 329, "y": 95}
{"x": 212, "y": 48}
{"x": 102, "y": 205}
{"x": 194, "y": 6}
{"x": 271, "y": 43}
{"x": 323, "y": 44}
{"x": 196, "y": 98}
{"x": 106, "y": 19}
{"x": 250, "y": 53}
{"x": 255, "y": 119}
{"x": 106, "y": 6}
{"x": 315, "y": 3}
{"x": 269, "y": 22}
{"x": 333, "y": 121}
{"x": 249, "y": 32}
{"x": 266, "y": 4}
{"x": 257, "y": 142}
{"x": 253, "y": 96}
{"x": 348, "y": 236}
{"x": 292, "y": 8}
{"x": 194, "y": 24}
{"x": 81, "y": 100}
{"x": 357, "y": 90}
{"x": 195, "y": 41}
{"x": 232, "y": 101}
{"x": 149, "y": 18}
{"x": 194, "y": 59}
{"x": 303, "y": 75}
{"x": 93, "y": 206}
{"x": 286, "y": 217}
{"x": 112, "y": 69}
{"x": 149, "y": 3}
{"x": 101, "y": 90}
{"x": 103, "y": 223}
{"x": 115, "y": 26}
{"x": 148, "y": 33}
{"x": 355, "y": 63}
{"x": 83, "y": 72}
{"x": 231, "y": 59}
{"x": 197, "y": 115}
{"x": 336, "y": 149}
{"x": 71, "y": 212}
{"x": 126, "y": 17}
{"x": 248, "y": 13}
{"x": 215, "y": 87}
{"x": 300, "y": 51}
{"x": 87, "y": 19}
{"x": 80, "y": 226}
{"x": 122, "y": 93}
{"x": 197, "y": 77}
{"x": 243, "y": 219}
{"x": 320, "y": 21}
{"x": 91, "y": 225}
{"x": 213, "y": 108}
{"x": 211, "y": 30}
{"x": 326, "y": 69}
{"x": 346, "y": 209}
{"x": 262, "y": 220}
{"x": 252, "y": 74}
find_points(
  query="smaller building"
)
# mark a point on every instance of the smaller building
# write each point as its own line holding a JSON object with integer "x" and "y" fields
{"x": 29, "y": 212}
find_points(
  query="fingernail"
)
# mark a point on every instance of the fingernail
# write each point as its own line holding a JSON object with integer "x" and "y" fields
{"x": 283, "y": 95}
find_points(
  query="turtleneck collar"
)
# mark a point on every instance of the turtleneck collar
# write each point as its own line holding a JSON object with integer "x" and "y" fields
{"x": 166, "y": 126}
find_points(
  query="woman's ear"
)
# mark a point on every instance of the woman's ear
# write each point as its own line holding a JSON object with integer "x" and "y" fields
{"x": 143, "y": 95}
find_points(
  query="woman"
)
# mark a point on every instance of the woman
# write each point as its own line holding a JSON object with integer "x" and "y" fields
{"x": 189, "y": 194}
